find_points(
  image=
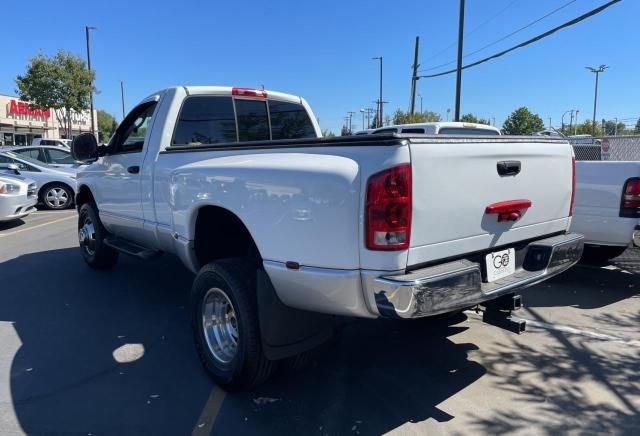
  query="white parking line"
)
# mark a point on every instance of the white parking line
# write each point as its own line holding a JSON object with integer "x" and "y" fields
{"x": 24, "y": 229}
{"x": 209, "y": 412}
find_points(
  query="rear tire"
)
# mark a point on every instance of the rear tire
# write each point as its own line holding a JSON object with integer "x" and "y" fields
{"x": 601, "y": 254}
{"x": 91, "y": 234}
{"x": 225, "y": 324}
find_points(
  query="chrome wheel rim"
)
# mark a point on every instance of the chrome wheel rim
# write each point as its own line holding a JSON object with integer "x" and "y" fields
{"x": 56, "y": 198}
{"x": 220, "y": 325}
{"x": 87, "y": 236}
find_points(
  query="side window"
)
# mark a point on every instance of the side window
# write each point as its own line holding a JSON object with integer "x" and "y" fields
{"x": 129, "y": 137}
{"x": 384, "y": 131}
{"x": 413, "y": 130}
{"x": 59, "y": 156}
{"x": 205, "y": 120}
{"x": 33, "y": 153}
{"x": 289, "y": 121}
{"x": 253, "y": 121}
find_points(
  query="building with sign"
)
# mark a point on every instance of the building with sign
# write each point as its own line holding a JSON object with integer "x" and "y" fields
{"x": 19, "y": 124}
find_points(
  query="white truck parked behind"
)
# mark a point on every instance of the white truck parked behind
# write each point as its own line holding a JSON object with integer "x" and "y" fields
{"x": 284, "y": 229}
{"x": 607, "y": 209}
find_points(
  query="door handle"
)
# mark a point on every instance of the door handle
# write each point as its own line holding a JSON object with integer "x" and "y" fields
{"x": 135, "y": 169}
{"x": 508, "y": 167}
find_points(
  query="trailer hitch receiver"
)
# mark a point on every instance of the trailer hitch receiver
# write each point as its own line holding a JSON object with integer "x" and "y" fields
{"x": 498, "y": 313}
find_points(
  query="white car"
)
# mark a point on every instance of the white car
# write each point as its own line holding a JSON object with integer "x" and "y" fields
{"x": 18, "y": 197}
{"x": 56, "y": 186}
{"x": 607, "y": 207}
{"x": 440, "y": 128}
{"x": 284, "y": 228}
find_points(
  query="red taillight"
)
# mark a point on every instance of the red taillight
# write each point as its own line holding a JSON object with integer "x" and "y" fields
{"x": 573, "y": 185}
{"x": 631, "y": 194}
{"x": 388, "y": 209}
{"x": 249, "y": 92}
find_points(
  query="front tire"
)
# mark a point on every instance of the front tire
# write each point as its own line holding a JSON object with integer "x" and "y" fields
{"x": 56, "y": 196}
{"x": 225, "y": 324}
{"x": 91, "y": 234}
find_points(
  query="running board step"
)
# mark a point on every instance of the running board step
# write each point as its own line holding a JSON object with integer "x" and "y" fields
{"x": 130, "y": 248}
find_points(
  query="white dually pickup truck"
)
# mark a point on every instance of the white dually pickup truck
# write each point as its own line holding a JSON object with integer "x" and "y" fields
{"x": 285, "y": 229}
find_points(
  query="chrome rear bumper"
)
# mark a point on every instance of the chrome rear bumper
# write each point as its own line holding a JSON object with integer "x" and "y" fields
{"x": 459, "y": 284}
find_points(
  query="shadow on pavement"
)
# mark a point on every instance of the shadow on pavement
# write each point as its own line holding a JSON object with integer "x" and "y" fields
{"x": 80, "y": 368}
{"x": 585, "y": 288}
{"x": 8, "y": 225}
{"x": 577, "y": 386}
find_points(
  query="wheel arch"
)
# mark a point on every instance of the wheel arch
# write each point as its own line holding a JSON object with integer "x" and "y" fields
{"x": 219, "y": 233}
{"x": 84, "y": 195}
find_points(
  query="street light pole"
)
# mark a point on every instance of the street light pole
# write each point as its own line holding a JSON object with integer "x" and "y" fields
{"x": 122, "y": 97}
{"x": 459, "y": 68}
{"x": 380, "y": 95}
{"x": 420, "y": 95}
{"x": 350, "y": 124}
{"x": 575, "y": 124}
{"x": 86, "y": 32}
{"x": 597, "y": 72}
{"x": 562, "y": 120}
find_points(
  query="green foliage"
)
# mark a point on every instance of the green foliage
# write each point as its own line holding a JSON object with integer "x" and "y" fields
{"x": 326, "y": 133}
{"x": 522, "y": 122}
{"x": 470, "y": 118}
{"x": 345, "y": 131}
{"x": 636, "y": 130}
{"x": 586, "y": 129}
{"x": 59, "y": 82}
{"x": 401, "y": 117}
{"x": 107, "y": 124}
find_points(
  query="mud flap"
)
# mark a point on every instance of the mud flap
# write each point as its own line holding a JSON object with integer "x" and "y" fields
{"x": 285, "y": 331}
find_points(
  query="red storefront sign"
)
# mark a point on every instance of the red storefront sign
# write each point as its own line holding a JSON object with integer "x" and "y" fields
{"x": 22, "y": 108}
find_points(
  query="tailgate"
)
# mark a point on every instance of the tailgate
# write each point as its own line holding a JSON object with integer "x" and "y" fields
{"x": 455, "y": 179}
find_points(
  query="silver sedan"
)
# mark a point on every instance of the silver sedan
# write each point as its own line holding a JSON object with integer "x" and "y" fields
{"x": 18, "y": 197}
{"x": 57, "y": 186}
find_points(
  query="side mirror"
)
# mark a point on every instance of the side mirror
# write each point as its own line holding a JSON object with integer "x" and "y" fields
{"x": 15, "y": 168}
{"x": 84, "y": 148}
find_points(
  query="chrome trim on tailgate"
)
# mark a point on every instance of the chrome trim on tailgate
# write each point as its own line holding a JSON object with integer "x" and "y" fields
{"x": 456, "y": 285}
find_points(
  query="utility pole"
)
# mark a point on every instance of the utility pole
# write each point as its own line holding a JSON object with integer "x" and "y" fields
{"x": 362, "y": 111}
{"x": 597, "y": 72}
{"x": 414, "y": 78}
{"x": 122, "y": 96}
{"x": 549, "y": 122}
{"x": 448, "y": 113}
{"x": 86, "y": 33}
{"x": 562, "y": 120}
{"x": 420, "y": 95}
{"x": 380, "y": 95}
{"x": 575, "y": 124}
{"x": 459, "y": 68}
{"x": 350, "y": 124}
{"x": 571, "y": 120}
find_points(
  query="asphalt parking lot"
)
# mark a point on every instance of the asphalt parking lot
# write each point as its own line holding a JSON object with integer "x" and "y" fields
{"x": 86, "y": 352}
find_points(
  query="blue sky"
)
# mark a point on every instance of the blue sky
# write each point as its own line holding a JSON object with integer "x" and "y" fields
{"x": 322, "y": 51}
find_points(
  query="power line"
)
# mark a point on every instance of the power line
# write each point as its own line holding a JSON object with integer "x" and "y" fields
{"x": 504, "y": 37}
{"x": 530, "y": 41}
{"x": 476, "y": 28}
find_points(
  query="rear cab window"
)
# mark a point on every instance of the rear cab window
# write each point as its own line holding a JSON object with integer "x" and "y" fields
{"x": 209, "y": 120}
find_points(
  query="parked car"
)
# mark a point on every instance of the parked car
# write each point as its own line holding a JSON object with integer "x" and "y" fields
{"x": 607, "y": 207}
{"x": 18, "y": 196}
{"x": 56, "y": 142}
{"x": 57, "y": 157}
{"x": 57, "y": 186}
{"x": 440, "y": 128}
{"x": 284, "y": 228}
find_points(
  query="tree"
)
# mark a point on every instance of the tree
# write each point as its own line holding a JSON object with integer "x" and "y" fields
{"x": 401, "y": 117}
{"x": 636, "y": 130}
{"x": 326, "y": 133}
{"x": 345, "y": 131}
{"x": 61, "y": 82}
{"x": 587, "y": 129}
{"x": 523, "y": 122}
{"x": 107, "y": 124}
{"x": 612, "y": 128}
{"x": 470, "y": 118}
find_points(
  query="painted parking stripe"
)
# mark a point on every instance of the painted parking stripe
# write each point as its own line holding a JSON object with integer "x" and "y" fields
{"x": 2, "y": 235}
{"x": 204, "y": 425}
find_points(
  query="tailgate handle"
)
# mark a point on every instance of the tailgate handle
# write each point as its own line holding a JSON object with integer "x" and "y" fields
{"x": 510, "y": 210}
{"x": 508, "y": 167}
